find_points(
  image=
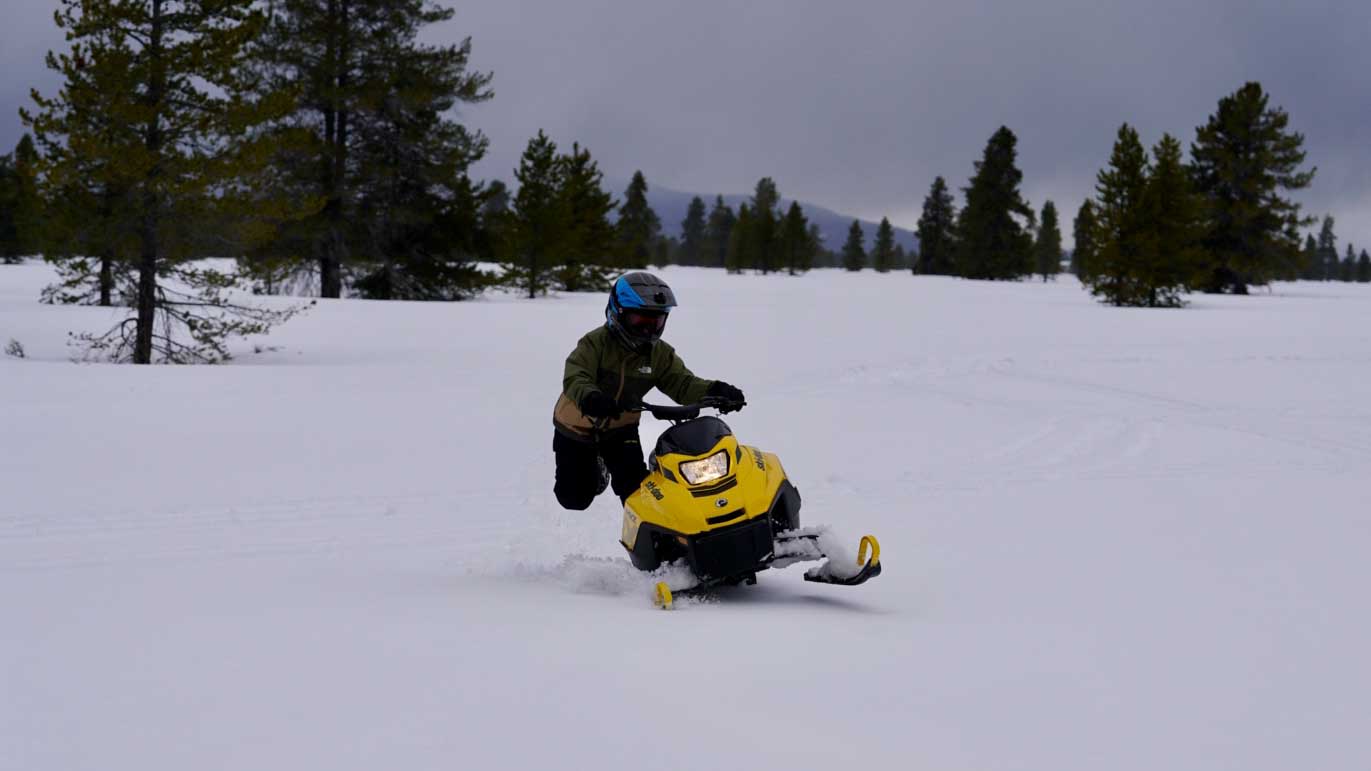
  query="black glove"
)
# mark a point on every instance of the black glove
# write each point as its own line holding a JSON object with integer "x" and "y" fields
{"x": 722, "y": 390}
{"x": 598, "y": 404}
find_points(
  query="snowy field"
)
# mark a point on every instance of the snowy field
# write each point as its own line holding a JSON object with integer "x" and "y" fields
{"x": 1113, "y": 539}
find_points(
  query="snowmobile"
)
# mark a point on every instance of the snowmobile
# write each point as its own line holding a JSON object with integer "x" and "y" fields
{"x": 725, "y": 509}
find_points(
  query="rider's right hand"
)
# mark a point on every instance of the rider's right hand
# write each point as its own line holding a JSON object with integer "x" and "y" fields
{"x": 598, "y": 404}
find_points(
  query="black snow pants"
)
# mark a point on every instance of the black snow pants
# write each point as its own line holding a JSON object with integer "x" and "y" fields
{"x": 578, "y": 473}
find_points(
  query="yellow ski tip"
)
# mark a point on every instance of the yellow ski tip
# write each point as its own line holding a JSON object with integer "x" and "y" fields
{"x": 868, "y": 542}
{"x": 662, "y": 598}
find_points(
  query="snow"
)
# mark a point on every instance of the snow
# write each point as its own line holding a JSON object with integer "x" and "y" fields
{"x": 1111, "y": 539}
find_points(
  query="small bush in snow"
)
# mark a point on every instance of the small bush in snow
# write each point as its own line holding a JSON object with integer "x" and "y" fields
{"x": 13, "y": 348}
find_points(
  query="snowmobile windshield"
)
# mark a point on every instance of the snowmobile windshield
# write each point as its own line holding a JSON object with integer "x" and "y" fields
{"x": 694, "y": 437}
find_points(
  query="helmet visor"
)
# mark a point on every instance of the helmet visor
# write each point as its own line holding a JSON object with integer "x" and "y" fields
{"x": 645, "y": 323}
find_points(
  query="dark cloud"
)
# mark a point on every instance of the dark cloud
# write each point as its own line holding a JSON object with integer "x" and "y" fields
{"x": 857, "y": 105}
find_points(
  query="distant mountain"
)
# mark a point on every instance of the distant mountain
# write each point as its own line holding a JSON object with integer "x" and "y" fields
{"x": 671, "y": 206}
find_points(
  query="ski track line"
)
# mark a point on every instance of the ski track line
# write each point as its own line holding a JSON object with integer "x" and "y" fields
{"x": 264, "y": 528}
{"x": 1196, "y": 413}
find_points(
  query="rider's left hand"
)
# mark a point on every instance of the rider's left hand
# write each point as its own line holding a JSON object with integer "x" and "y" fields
{"x": 723, "y": 390}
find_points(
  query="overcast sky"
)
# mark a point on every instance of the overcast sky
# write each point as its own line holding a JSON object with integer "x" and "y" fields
{"x": 858, "y": 104}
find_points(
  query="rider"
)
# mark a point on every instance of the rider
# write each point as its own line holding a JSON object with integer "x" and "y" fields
{"x": 612, "y": 368}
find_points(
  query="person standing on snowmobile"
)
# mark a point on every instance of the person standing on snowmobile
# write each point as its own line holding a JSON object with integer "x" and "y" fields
{"x": 612, "y": 369}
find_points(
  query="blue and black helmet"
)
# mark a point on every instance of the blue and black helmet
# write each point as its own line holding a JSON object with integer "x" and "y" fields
{"x": 638, "y": 306}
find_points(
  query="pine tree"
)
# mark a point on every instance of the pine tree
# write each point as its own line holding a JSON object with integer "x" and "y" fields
{"x": 588, "y": 236}
{"x": 1311, "y": 269}
{"x": 1327, "y": 257}
{"x": 740, "y": 241}
{"x": 156, "y": 101}
{"x": 638, "y": 225}
{"x": 1348, "y": 270}
{"x": 854, "y": 251}
{"x": 901, "y": 261}
{"x": 537, "y": 220}
{"x": 21, "y": 208}
{"x": 717, "y": 231}
{"x": 693, "y": 233}
{"x": 1173, "y": 225}
{"x": 491, "y": 235}
{"x": 1047, "y": 248}
{"x": 373, "y": 139}
{"x": 765, "y": 226}
{"x": 1084, "y": 229}
{"x": 1125, "y": 244}
{"x": 796, "y": 251}
{"x": 27, "y": 204}
{"x": 9, "y": 195}
{"x": 662, "y": 251}
{"x": 937, "y": 224}
{"x": 819, "y": 256}
{"x": 1244, "y": 157}
{"x": 883, "y": 251}
{"x": 1364, "y": 267}
{"x": 416, "y": 211}
{"x": 991, "y": 243}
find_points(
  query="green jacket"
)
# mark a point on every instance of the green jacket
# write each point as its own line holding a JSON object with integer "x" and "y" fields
{"x": 601, "y": 363}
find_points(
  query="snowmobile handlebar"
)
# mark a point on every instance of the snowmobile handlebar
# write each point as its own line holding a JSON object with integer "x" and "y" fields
{"x": 688, "y": 411}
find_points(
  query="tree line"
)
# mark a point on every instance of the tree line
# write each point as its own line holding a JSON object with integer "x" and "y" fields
{"x": 313, "y": 147}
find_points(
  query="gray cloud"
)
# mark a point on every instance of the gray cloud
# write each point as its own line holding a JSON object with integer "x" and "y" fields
{"x": 858, "y": 105}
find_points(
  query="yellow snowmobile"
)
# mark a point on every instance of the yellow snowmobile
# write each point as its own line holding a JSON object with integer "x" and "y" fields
{"x": 726, "y": 509}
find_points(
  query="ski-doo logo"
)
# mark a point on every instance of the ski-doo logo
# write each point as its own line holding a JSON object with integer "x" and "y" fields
{"x": 722, "y": 502}
{"x": 655, "y": 490}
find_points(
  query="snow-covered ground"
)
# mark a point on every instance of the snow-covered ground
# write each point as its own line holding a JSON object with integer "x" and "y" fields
{"x": 1113, "y": 539}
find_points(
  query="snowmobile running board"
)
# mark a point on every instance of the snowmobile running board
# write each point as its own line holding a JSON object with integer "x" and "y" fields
{"x": 868, "y": 558}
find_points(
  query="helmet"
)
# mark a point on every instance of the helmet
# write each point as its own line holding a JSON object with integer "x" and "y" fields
{"x": 638, "y": 306}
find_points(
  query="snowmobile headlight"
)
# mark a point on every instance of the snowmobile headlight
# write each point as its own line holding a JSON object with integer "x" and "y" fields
{"x": 707, "y": 470}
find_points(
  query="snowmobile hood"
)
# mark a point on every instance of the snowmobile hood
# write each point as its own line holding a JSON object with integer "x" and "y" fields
{"x": 668, "y": 500}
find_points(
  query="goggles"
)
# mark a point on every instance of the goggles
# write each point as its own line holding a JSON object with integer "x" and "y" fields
{"x": 645, "y": 323}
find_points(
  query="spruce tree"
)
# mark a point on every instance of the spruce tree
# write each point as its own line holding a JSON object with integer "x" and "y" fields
{"x": 638, "y": 225}
{"x": 1084, "y": 229}
{"x": 1364, "y": 268}
{"x": 854, "y": 250}
{"x": 28, "y": 213}
{"x": 588, "y": 236}
{"x": 717, "y": 231}
{"x": 491, "y": 236}
{"x": 157, "y": 101}
{"x": 1327, "y": 257}
{"x": 90, "y": 224}
{"x": 1310, "y": 267}
{"x": 818, "y": 256}
{"x": 537, "y": 220}
{"x": 740, "y": 241}
{"x": 1348, "y": 269}
{"x": 935, "y": 232}
{"x": 796, "y": 251}
{"x": 765, "y": 226}
{"x": 991, "y": 243}
{"x": 1118, "y": 270}
{"x": 378, "y": 144}
{"x": 883, "y": 250}
{"x": 1244, "y": 157}
{"x": 9, "y": 194}
{"x": 663, "y": 250}
{"x": 693, "y": 233}
{"x": 1047, "y": 248}
{"x": 1174, "y": 226}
